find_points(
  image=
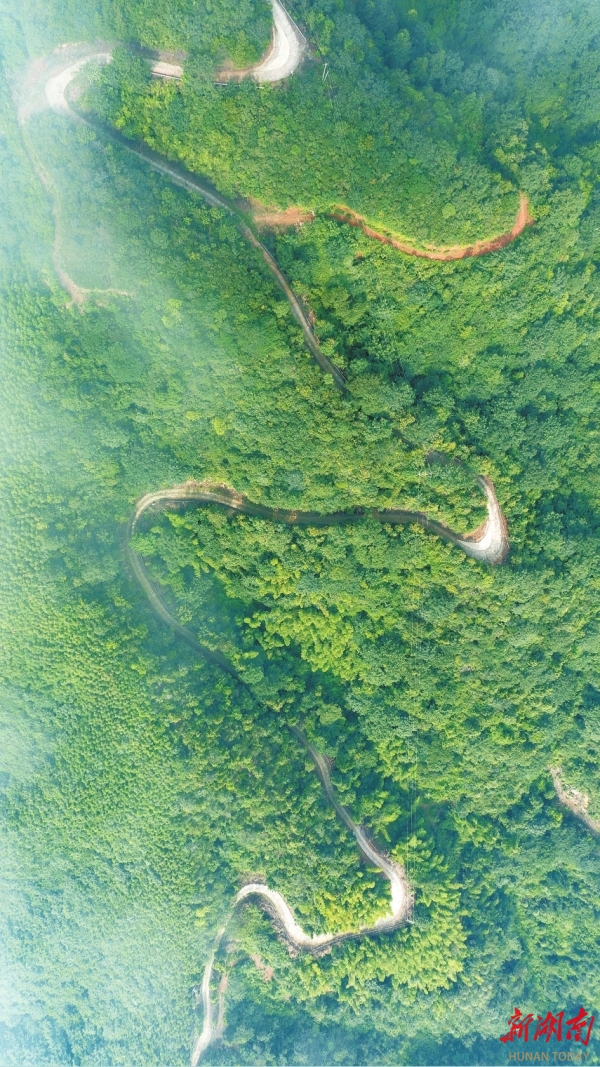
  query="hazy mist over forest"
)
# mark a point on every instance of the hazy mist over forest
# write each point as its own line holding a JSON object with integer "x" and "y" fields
{"x": 291, "y": 356}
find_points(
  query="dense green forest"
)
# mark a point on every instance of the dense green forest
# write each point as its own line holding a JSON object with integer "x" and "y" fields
{"x": 140, "y": 786}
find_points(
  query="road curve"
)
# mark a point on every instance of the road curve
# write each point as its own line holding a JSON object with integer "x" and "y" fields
{"x": 491, "y": 536}
{"x": 288, "y": 46}
{"x": 287, "y": 49}
{"x": 488, "y": 544}
{"x": 56, "y": 86}
{"x": 283, "y": 56}
{"x": 401, "y": 899}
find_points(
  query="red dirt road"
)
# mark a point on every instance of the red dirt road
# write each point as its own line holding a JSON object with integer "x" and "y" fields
{"x": 479, "y": 248}
{"x": 279, "y": 218}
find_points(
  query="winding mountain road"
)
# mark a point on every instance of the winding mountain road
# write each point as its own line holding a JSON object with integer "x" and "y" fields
{"x": 287, "y": 50}
{"x": 488, "y": 544}
{"x": 55, "y": 91}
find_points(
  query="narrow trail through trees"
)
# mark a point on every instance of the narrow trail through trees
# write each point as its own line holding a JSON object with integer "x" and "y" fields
{"x": 573, "y": 799}
{"x": 478, "y": 248}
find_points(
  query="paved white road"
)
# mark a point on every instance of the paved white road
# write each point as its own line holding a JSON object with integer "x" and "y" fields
{"x": 287, "y": 48}
{"x": 56, "y": 86}
{"x": 490, "y": 542}
{"x": 286, "y": 52}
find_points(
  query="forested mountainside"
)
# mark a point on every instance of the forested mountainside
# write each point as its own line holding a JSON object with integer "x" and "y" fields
{"x": 141, "y": 786}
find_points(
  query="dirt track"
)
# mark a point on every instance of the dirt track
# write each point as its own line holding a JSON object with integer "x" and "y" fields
{"x": 479, "y": 248}
{"x": 275, "y": 218}
{"x": 576, "y": 801}
{"x": 55, "y": 88}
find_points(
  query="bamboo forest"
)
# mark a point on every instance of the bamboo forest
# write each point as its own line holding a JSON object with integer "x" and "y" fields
{"x": 299, "y": 597}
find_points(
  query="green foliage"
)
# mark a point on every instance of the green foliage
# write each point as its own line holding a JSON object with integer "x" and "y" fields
{"x": 210, "y": 28}
{"x": 351, "y": 139}
{"x": 139, "y": 785}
